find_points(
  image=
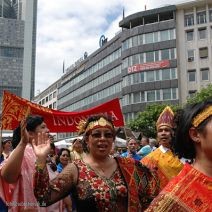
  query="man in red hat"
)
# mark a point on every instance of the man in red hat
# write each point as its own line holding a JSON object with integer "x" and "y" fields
{"x": 162, "y": 159}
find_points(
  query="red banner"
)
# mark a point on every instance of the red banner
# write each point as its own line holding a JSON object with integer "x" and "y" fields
{"x": 16, "y": 108}
{"x": 148, "y": 66}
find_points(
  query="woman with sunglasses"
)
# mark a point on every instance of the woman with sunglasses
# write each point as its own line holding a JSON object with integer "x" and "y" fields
{"x": 98, "y": 182}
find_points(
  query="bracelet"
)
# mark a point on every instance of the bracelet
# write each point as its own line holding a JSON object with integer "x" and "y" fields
{"x": 39, "y": 166}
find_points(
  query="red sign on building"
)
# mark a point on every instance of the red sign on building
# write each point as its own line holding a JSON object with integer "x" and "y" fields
{"x": 148, "y": 66}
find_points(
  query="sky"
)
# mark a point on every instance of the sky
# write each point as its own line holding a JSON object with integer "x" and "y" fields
{"x": 66, "y": 29}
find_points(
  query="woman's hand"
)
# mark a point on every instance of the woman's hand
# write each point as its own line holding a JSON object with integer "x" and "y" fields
{"x": 41, "y": 146}
{"x": 25, "y": 138}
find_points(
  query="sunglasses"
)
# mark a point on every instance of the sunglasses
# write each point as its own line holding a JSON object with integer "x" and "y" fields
{"x": 107, "y": 135}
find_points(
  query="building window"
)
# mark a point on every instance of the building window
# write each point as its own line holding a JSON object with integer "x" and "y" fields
{"x": 166, "y": 94}
{"x": 135, "y": 59}
{"x": 149, "y": 38}
{"x": 11, "y": 52}
{"x": 189, "y": 20}
{"x": 164, "y": 54}
{"x": 202, "y": 33}
{"x": 141, "y": 76}
{"x": 135, "y": 41}
{"x": 165, "y": 74}
{"x": 54, "y": 94}
{"x": 150, "y": 76}
{"x": 150, "y": 96}
{"x": 54, "y": 105}
{"x": 137, "y": 97}
{"x": 135, "y": 78}
{"x": 205, "y": 74}
{"x": 201, "y": 17}
{"x": 150, "y": 57}
{"x": 173, "y": 73}
{"x": 140, "y": 40}
{"x": 190, "y": 35}
{"x": 210, "y": 15}
{"x": 192, "y": 75}
{"x": 190, "y": 55}
{"x": 50, "y": 97}
{"x": 164, "y": 35}
{"x": 203, "y": 52}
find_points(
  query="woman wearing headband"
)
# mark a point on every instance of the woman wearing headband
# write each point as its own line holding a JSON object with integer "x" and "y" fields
{"x": 191, "y": 190}
{"x": 97, "y": 182}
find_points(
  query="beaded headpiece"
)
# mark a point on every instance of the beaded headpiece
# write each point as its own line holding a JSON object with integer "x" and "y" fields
{"x": 199, "y": 118}
{"x": 166, "y": 118}
{"x": 102, "y": 122}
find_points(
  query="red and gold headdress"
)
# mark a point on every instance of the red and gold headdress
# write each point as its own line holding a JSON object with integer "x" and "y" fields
{"x": 166, "y": 118}
{"x": 198, "y": 119}
{"x": 100, "y": 123}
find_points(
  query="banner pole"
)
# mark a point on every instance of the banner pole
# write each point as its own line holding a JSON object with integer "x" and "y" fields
{"x": 0, "y": 137}
{"x": 1, "y": 134}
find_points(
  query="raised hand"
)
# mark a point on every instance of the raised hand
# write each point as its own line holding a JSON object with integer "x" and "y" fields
{"x": 41, "y": 146}
{"x": 25, "y": 138}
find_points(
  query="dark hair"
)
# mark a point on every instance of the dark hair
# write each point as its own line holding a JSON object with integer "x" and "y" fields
{"x": 75, "y": 140}
{"x": 60, "y": 153}
{"x": 32, "y": 122}
{"x": 92, "y": 118}
{"x": 146, "y": 138}
{"x": 183, "y": 145}
{"x": 5, "y": 141}
{"x": 52, "y": 145}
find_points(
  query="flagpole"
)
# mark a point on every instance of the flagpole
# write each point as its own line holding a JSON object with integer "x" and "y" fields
{"x": 1, "y": 137}
{"x": 1, "y": 127}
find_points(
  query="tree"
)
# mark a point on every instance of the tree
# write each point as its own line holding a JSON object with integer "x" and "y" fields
{"x": 203, "y": 94}
{"x": 145, "y": 121}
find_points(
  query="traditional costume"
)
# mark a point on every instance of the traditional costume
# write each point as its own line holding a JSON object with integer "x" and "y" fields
{"x": 162, "y": 159}
{"x": 19, "y": 196}
{"x": 130, "y": 188}
{"x": 191, "y": 190}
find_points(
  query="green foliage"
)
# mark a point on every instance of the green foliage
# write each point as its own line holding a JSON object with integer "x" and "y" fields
{"x": 145, "y": 121}
{"x": 203, "y": 94}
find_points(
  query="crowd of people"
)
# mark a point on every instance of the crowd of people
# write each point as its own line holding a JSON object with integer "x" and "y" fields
{"x": 170, "y": 173}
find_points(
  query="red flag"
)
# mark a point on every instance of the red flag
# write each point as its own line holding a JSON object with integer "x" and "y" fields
{"x": 16, "y": 108}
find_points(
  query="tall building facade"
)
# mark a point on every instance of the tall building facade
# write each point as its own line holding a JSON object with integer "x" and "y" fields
{"x": 139, "y": 66}
{"x": 17, "y": 47}
{"x": 194, "y": 46}
{"x": 162, "y": 55}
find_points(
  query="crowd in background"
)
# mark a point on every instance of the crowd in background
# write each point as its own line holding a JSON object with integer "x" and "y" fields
{"x": 94, "y": 174}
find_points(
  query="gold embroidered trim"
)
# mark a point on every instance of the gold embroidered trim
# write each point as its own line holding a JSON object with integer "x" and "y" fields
{"x": 202, "y": 116}
{"x": 98, "y": 123}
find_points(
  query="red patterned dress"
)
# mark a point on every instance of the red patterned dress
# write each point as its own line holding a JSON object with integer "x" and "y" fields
{"x": 130, "y": 188}
{"x": 190, "y": 191}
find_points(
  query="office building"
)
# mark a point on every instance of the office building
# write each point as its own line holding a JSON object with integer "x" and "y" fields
{"x": 138, "y": 65}
{"x": 17, "y": 47}
{"x": 163, "y": 55}
{"x": 194, "y": 46}
{"x": 48, "y": 97}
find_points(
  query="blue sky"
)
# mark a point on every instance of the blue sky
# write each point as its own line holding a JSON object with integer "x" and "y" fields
{"x": 68, "y": 28}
